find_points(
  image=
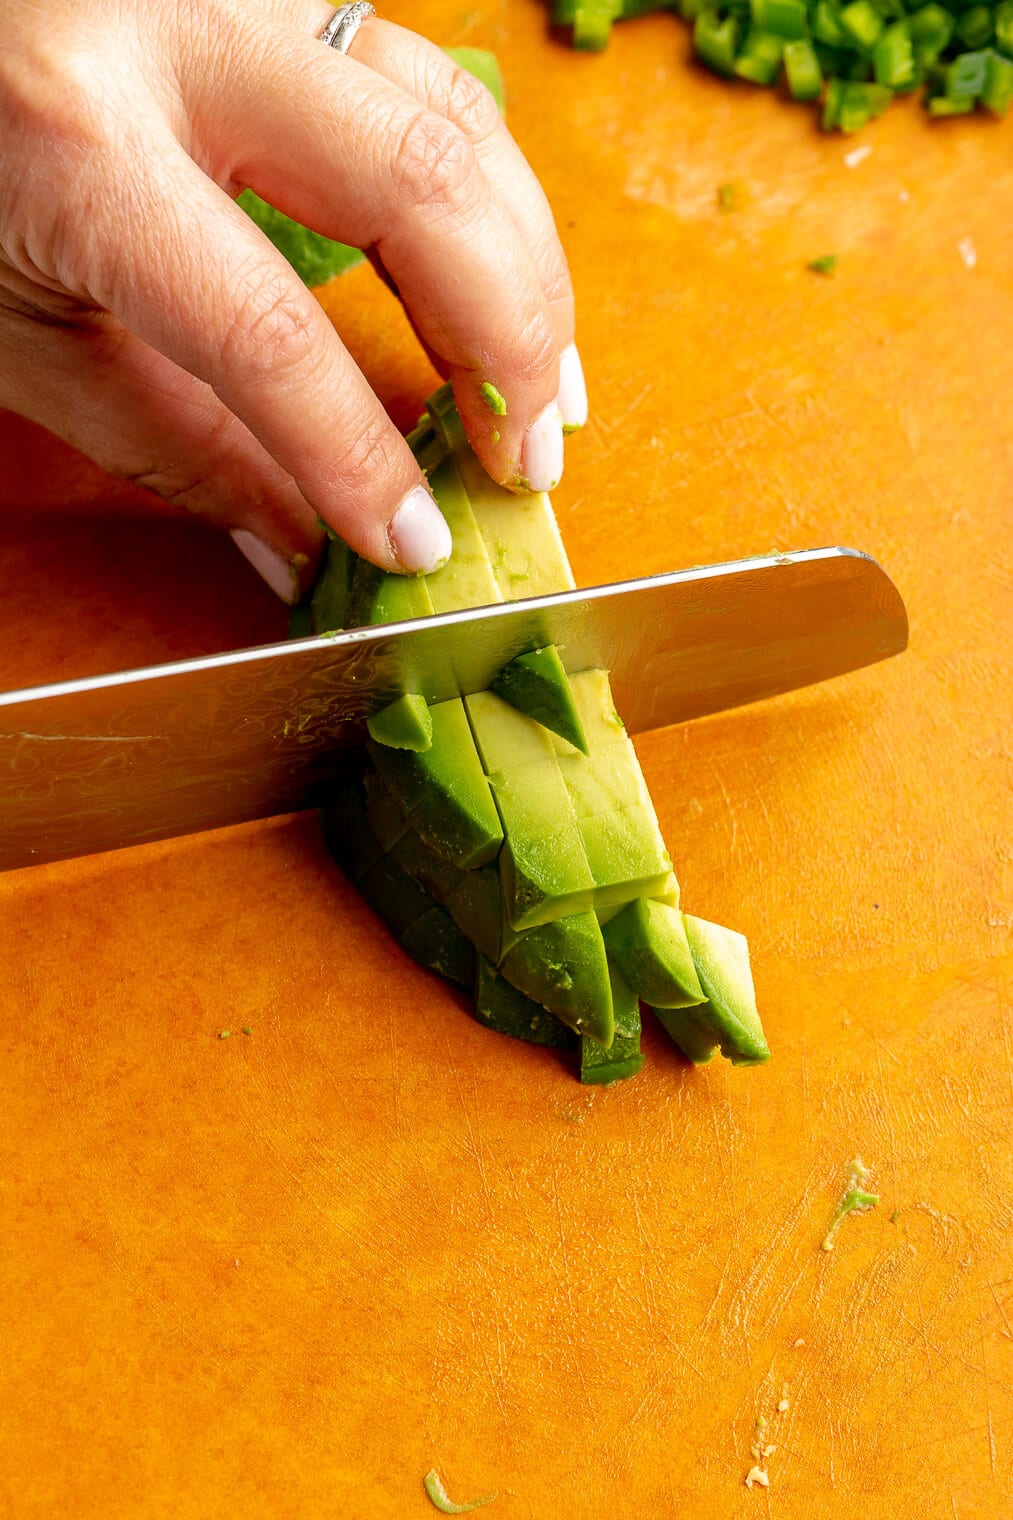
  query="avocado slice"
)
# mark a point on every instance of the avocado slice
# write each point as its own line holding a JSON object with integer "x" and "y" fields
{"x": 626, "y": 854}
{"x": 623, "y": 1058}
{"x": 537, "y": 684}
{"x": 433, "y": 871}
{"x": 721, "y": 957}
{"x": 443, "y": 789}
{"x": 404, "y": 723}
{"x": 378, "y": 597}
{"x": 435, "y": 941}
{"x": 329, "y": 601}
{"x": 544, "y": 871}
{"x": 467, "y": 579}
{"x": 521, "y": 535}
{"x": 504, "y": 737}
{"x": 500, "y": 1006}
{"x": 648, "y": 942}
{"x": 605, "y": 779}
{"x": 476, "y": 906}
{"x": 563, "y": 966}
{"x": 602, "y": 725}
{"x": 697, "y": 1043}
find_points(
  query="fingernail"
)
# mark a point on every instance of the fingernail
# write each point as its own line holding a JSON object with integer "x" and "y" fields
{"x": 271, "y": 566}
{"x": 542, "y": 450}
{"x": 572, "y": 396}
{"x": 418, "y": 533}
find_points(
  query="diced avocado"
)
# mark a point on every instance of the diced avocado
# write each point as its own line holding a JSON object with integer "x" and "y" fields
{"x": 378, "y": 597}
{"x": 721, "y": 957}
{"x": 563, "y": 966}
{"x": 314, "y": 258}
{"x": 347, "y": 832}
{"x": 520, "y": 533}
{"x": 444, "y": 790}
{"x": 500, "y": 1006}
{"x": 602, "y": 725}
{"x": 537, "y": 684}
{"x": 392, "y": 894}
{"x": 648, "y": 943}
{"x": 433, "y": 871}
{"x": 403, "y": 724}
{"x": 623, "y": 1058}
{"x": 300, "y": 621}
{"x": 387, "y": 818}
{"x": 696, "y": 1043}
{"x": 544, "y": 871}
{"x": 476, "y": 906}
{"x": 669, "y": 893}
{"x": 626, "y": 854}
{"x": 435, "y": 941}
{"x": 504, "y": 737}
{"x": 446, "y": 420}
{"x": 607, "y": 778}
{"x": 329, "y": 602}
{"x": 467, "y": 579}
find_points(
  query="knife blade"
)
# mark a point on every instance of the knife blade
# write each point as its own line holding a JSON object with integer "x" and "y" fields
{"x": 108, "y": 761}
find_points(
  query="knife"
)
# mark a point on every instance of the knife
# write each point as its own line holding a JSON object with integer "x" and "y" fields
{"x": 114, "y": 760}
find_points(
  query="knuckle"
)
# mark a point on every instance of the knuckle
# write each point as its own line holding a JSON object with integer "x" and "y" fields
{"x": 470, "y": 105}
{"x": 365, "y": 454}
{"x": 270, "y": 333}
{"x": 535, "y": 348}
{"x": 434, "y": 166}
{"x": 174, "y": 484}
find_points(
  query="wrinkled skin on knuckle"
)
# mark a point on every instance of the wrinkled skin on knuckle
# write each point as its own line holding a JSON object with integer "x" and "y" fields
{"x": 535, "y": 350}
{"x": 434, "y": 169}
{"x": 468, "y": 104}
{"x": 270, "y": 333}
{"x": 362, "y": 456}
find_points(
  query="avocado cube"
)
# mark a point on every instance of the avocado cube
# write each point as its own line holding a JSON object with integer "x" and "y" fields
{"x": 623, "y": 1057}
{"x": 500, "y": 1006}
{"x": 606, "y": 779}
{"x": 626, "y": 854}
{"x": 544, "y": 871}
{"x": 647, "y": 941}
{"x": 433, "y": 871}
{"x": 563, "y": 966}
{"x": 601, "y": 724}
{"x": 721, "y": 957}
{"x": 537, "y": 684}
{"x": 347, "y": 833}
{"x": 435, "y": 941}
{"x": 379, "y": 597}
{"x": 387, "y": 818}
{"x": 467, "y": 579}
{"x": 404, "y": 723}
{"x": 520, "y": 533}
{"x": 476, "y": 906}
{"x": 444, "y": 790}
{"x": 504, "y": 737}
{"x": 392, "y": 894}
{"x": 697, "y": 1043}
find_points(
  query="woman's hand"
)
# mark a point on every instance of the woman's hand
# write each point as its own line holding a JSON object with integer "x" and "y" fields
{"x": 144, "y": 317}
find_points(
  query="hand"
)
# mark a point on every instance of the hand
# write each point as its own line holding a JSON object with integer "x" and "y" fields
{"x": 145, "y": 319}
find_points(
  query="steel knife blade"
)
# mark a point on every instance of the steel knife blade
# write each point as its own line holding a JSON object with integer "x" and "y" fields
{"x": 108, "y": 761}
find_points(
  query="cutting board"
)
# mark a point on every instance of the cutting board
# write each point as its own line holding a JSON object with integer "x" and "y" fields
{"x": 285, "y": 1273}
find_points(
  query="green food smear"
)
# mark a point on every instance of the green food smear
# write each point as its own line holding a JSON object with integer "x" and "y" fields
{"x": 855, "y": 1201}
{"x": 826, "y": 264}
{"x": 493, "y": 399}
{"x": 438, "y": 1495}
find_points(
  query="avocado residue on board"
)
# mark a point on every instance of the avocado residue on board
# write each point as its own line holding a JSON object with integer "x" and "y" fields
{"x": 855, "y": 1201}
{"x": 438, "y": 1496}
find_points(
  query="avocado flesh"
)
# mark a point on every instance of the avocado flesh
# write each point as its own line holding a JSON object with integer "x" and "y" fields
{"x": 392, "y": 894}
{"x": 604, "y": 779}
{"x": 347, "y": 832}
{"x": 435, "y": 941}
{"x": 329, "y": 601}
{"x": 500, "y": 1006}
{"x": 467, "y": 579}
{"x": 537, "y": 684}
{"x": 377, "y": 597}
{"x": 444, "y": 790}
{"x": 520, "y": 533}
{"x": 601, "y": 724}
{"x": 433, "y": 871}
{"x": 476, "y": 906}
{"x": 543, "y": 868}
{"x": 626, "y": 854}
{"x": 648, "y": 943}
{"x": 623, "y": 1058}
{"x": 387, "y": 819}
{"x": 696, "y": 1043}
{"x": 504, "y": 737}
{"x": 563, "y": 966}
{"x": 721, "y": 957}
{"x": 403, "y": 724}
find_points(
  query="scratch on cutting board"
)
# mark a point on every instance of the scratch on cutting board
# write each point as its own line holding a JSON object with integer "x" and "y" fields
{"x": 82, "y": 738}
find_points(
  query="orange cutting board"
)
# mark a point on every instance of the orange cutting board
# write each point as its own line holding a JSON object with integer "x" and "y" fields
{"x": 284, "y": 1274}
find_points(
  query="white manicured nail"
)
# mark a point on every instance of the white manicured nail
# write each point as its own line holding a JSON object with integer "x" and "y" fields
{"x": 542, "y": 450}
{"x": 572, "y": 396}
{"x": 418, "y": 533}
{"x": 268, "y": 563}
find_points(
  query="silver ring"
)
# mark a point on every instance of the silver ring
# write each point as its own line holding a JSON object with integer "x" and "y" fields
{"x": 343, "y": 25}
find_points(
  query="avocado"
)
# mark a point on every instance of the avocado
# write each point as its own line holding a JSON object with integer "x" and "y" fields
{"x": 563, "y": 966}
{"x": 520, "y": 533}
{"x": 499, "y": 1006}
{"x": 433, "y": 871}
{"x": 346, "y": 828}
{"x": 647, "y": 941}
{"x": 697, "y": 1043}
{"x": 314, "y": 258}
{"x": 604, "y": 779}
{"x": 467, "y": 579}
{"x": 504, "y": 737}
{"x": 377, "y": 597}
{"x": 476, "y": 906}
{"x": 403, "y": 724}
{"x": 435, "y": 941}
{"x": 387, "y": 818}
{"x": 601, "y": 724}
{"x": 721, "y": 957}
{"x": 329, "y": 601}
{"x": 444, "y": 790}
{"x": 626, "y": 854}
{"x": 537, "y": 684}
{"x": 544, "y": 870}
{"x": 623, "y": 1057}
{"x": 392, "y": 894}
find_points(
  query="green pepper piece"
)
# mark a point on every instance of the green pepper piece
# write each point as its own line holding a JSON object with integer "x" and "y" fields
{"x": 760, "y": 58}
{"x": 785, "y": 18}
{"x": 862, "y": 23}
{"x": 893, "y": 57}
{"x": 716, "y": 41}
{"x": 802, "y": 68}
{"x": 998, "y": 92}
